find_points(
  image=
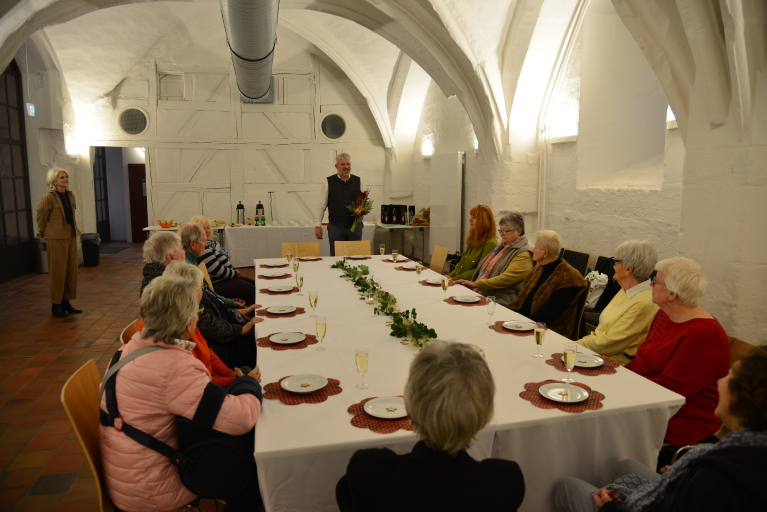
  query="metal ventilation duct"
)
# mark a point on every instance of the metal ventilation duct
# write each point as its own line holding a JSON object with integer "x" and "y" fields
{"x": 251, "y": 27}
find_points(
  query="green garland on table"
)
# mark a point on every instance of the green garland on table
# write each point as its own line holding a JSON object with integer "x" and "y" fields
{"x": 403, "y": 323}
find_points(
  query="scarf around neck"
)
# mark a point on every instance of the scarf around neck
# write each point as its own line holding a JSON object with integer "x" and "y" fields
{"x": 495, "y": 256}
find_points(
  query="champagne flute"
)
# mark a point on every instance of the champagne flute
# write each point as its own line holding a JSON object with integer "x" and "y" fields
{"x": 361, "y": 359}
{"x": 346, "y": 251}
{"x": 321, "y": 324}
{"x": 540, "y": 333}
{"x": 394, "y": 256}
{"x": 445, "y": 284}
{"x": 490, "y": 308}
{"x": 313, "y": 297}
{"x": 570, "y": 354}
{"x": 382, "y": 249}
{"x": 418, "y": 270}
{"x": 296, "y": 263}
{"x": 296, "y": 251}
{"x": 289, "y": 256}
{"x": 299, "y": 283}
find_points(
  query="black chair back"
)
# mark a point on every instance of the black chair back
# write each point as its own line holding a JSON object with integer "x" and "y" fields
{"x": 578, "y": 260}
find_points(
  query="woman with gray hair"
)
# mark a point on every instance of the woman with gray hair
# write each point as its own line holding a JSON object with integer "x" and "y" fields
{"x": 449, "y": 396}
{"x": 160, "y": 250}
{"x": 501, "y": 272}
{"x": 686, "y": 351}
{"x": 56, "y": 223}
{"x": 624, "y": 323}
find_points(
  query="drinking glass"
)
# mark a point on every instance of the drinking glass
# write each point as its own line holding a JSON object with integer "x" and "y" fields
{"x": 445, "y": 284}
{"x": 540, "y": 333}
{"x": 296, "y": 263}
{"x": 418, "y": 270}
{"x": 394, "y": 256}
{"x": 296, "y": 251}
{"x": 490, "y": 308}
{"x": 361, "y": 359}
{"x": 289, "y": 256}
{"x": 370, "y": 296}
{"x": 346, "y": 252}
{"x": 321, "y": 324}
{"x": 299, "y": 283}
{"x": 313, "y": 297}
{"x": 382, "y": 249}
{"x": 570, "y": 354}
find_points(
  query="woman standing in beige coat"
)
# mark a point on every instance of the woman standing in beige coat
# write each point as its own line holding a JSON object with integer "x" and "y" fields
{"x": 56, "y": 224}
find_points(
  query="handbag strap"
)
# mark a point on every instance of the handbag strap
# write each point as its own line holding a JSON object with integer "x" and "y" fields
{"x": 122, "y": 362}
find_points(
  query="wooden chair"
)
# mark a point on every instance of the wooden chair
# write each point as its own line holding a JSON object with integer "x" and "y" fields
{"x": 304, "y": 249}
{"x": 128, "y": 332}
{"x": 205, "y": 275}
{"x": 356, "y": 247}
{"x": 575, "y": 334}
{"x": 80, "y": 398}
{"x": 578, "y": 260}
{"x": 438, "y": 259}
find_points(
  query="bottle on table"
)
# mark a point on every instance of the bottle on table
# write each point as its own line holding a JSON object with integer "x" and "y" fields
{"x": 240, "y": 213}
{"x": 260, "y": 217}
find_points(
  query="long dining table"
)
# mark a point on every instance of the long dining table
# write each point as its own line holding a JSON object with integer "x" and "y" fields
{"x": 302, "y": 450}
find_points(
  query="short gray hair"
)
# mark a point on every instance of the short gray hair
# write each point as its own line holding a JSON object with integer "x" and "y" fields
{"x": 167, "y": 305}
{"x": 160, "y": 245}
{"x": 53, "y": 175}
{"x": 339, "y": 156}
{"x": 549, "y": 240}
{"x": 512, "y": 219}
{"x": 449, "y": 395}
{"x": 640, "y": 254}
{"x": 190, "y": 233}
{"x": 685, "y": 278}
{"x": 187, "y": 271}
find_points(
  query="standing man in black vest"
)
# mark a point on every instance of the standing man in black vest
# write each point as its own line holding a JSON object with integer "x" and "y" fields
{"x": 336, "y": 193}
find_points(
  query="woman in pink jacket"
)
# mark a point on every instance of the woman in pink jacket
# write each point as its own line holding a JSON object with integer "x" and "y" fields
{"x": 155, "y": 388}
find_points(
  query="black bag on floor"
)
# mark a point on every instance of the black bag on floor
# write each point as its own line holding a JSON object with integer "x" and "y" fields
{"x": 210, "y": 463}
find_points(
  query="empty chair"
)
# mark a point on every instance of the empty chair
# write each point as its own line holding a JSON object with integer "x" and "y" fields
{"x": 304, "y": 249}
{"x": 129, "y": 331}
{"x": 578, "y": 260}
{"x": 355, "y": 247}
{"x": 438, "y": 259}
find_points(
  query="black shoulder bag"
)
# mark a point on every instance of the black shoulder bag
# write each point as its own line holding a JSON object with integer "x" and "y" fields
{"x": 210, "y": 463}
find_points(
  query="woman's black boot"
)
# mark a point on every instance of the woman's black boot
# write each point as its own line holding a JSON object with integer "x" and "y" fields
{"x": 69, "y": 308}
{"x": 58, "y": 311}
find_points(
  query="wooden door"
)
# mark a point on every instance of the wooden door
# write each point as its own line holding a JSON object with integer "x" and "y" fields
{"x": 138, "y": 207}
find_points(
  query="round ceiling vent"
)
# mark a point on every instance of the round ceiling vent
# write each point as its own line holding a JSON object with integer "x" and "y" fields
{"x": 133, "y": 121}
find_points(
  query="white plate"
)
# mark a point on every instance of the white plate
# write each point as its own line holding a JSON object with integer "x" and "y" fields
{"x": 280, "y": 310}
{"x": 306, "y": 383}
{"x": 386, "y": 407}
{"x": 519, "y": 326}
{"x": 358, "y": 257}
{"x": 280, "y": 289}
{"x": 434, "y": 281}
{"x": 561, "y": 392}
{"x": 287, "y": 338}
{"x": 409, "y": 266}
{"x": 275, "y": 274}
{"x": 467, "y": 299}
{"x": 587, "y": 361}
{"x": 310, "y": 258}
{"x": 274, "y": 264}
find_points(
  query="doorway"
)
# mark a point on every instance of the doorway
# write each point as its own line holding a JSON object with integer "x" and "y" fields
{"x": 138, "y": 204}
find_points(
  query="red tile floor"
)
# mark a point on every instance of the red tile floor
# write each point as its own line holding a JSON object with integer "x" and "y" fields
{"x": 42, "y": 465}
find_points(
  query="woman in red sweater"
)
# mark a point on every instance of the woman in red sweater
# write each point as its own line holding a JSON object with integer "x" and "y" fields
{"x": 686, "y": 351}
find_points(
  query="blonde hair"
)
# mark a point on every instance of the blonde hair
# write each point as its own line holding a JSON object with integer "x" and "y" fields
{"x": 160, "y": 245}
{"x": 167, "y": 305}
{"x": 53, "y": 175}
{"x": 685, "y": 278}
{"x": 199, "y": 219}
{"x": 549, "y": 240}
{"x": 449, "y": 395}
{"x": 186, "y": 271}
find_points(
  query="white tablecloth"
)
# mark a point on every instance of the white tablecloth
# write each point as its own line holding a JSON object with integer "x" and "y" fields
{"x": 303, "y": 450}
{"x": 246, "y": 243}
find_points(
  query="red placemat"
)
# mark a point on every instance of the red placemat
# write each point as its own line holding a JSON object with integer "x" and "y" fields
{"x": 269, "y": 266}
{"x": 266, "y": 342}
{"x": 358, "y": 259}
{"x": 399, "y": 260}
{"x": 531, "y": 394}
{"x": 263, "y": 312}
{"x": 308, "y": 261}
{"x": 424, "y": 283}
{"x": 274, "y": 278}
{"x": 451, "y": 300}
{"x": 267, "y": 292}
{"x": 606, "y": 369}
{"x": 273, "y": 391}
{"x": 405, "y": 269}
{"x": 498, "y": 327}
{"x": 362, "y": 419}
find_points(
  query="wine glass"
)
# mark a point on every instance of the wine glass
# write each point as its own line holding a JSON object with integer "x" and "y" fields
{"x": 346, "y": 251}
{"x": 321, "y": 324}
{"x": 361, "y": 359}
{"x": 540, "y": 333}
{"x": 313, "y": 297}
{"x": 299, "y": 283}
{"x": 394, "y": 256}
{"x": 570, "y": 354}
{"x": 490, "y": 308}
{"x": 289, "y": 256}
{"x": 382, "y": 249}
{"x": 296, "y": 263}
{"x": 445, "y": 284}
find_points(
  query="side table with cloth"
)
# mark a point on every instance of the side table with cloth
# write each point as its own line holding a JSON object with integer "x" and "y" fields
{"x": 247, "y": 243}
{"x": 303, "y": 450}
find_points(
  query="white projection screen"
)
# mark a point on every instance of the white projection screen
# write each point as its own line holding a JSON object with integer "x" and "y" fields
{"x": 446, "y": 197}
